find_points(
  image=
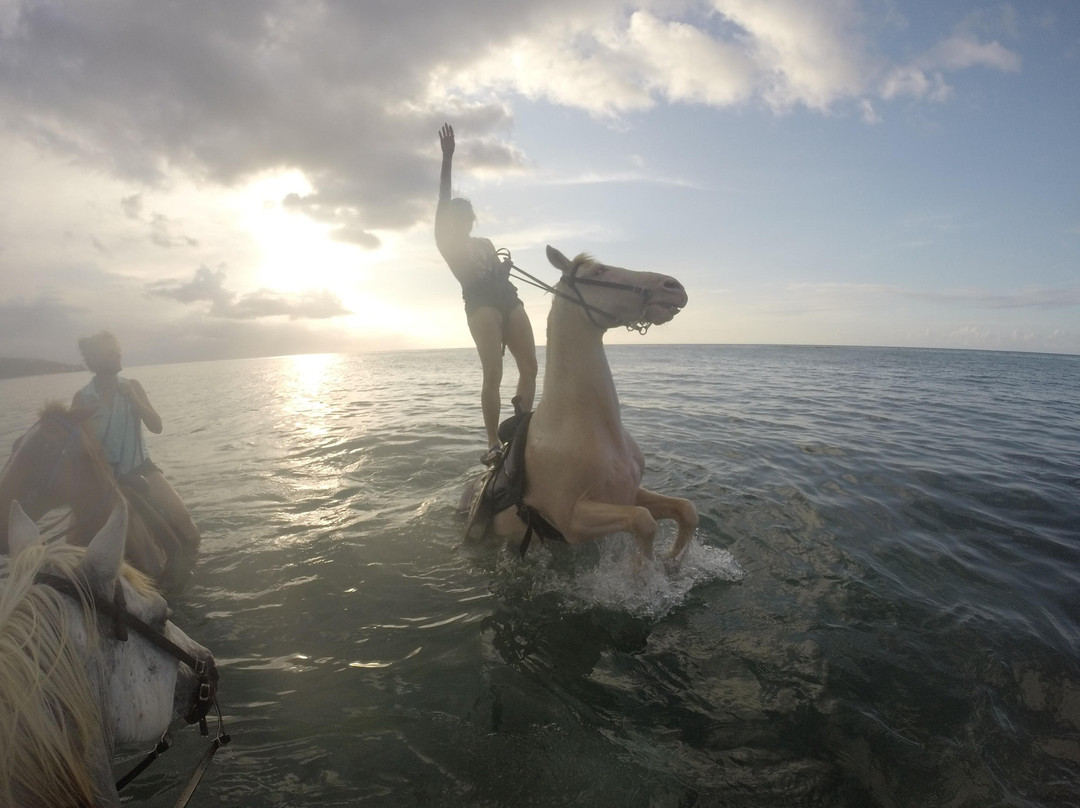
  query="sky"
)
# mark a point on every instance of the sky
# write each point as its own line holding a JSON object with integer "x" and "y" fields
{"x": 216, "y": 180}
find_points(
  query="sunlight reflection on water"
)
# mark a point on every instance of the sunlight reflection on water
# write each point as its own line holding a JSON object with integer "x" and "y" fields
{"x": 885, "y": 569}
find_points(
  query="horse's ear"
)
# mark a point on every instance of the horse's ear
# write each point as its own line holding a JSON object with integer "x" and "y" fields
{"x": 101, "y": 564}
{"x": 558, "y": 260}
{"x": 22, "y": 532}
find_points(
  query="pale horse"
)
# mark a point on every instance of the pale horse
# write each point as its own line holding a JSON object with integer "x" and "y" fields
{"x": 71, "y": 690}
{"x": 582, "y": 469}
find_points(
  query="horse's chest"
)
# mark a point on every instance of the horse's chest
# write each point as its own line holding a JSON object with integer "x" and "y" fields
{"x": 612, "y": 473}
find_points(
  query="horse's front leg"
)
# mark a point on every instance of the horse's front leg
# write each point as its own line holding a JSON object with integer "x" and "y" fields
{"x": 591, "y": 520}
{"x": 681, "y": 510}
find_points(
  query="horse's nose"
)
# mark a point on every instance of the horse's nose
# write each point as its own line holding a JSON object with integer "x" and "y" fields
{"x": 675, "y": 291}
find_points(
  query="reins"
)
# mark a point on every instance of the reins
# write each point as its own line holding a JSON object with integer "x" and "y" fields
{"x": 116, "y": 610}
{"x": 578, "y": 299}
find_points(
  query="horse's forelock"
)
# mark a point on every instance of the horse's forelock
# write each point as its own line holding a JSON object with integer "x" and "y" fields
{"x": 582, "y": 261}
{"x": 53, "y": 407}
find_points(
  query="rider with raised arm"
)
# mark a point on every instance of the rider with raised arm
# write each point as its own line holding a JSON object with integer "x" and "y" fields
{"x": 496, "y": 316}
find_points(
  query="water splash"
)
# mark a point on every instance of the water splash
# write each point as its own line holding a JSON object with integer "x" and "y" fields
{"x": 613, "y": 577}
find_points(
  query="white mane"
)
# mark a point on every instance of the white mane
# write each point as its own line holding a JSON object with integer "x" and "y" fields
{"x": 50, "y": 721}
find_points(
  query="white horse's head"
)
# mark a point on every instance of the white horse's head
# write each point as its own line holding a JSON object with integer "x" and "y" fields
{"x": 611, "y": 296}
{"x": 81, "y": 689}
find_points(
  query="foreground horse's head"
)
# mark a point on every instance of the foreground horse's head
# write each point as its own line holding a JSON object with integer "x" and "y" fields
{"x": 70, "y": 688}
{"x": 611, "y": 296}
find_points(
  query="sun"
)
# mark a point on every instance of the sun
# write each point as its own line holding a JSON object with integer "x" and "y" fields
{"x": 297, "y": 253}
{"x": 291, "y": 254}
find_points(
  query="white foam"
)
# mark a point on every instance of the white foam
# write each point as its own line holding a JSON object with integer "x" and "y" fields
{"x": 619, "y": 580}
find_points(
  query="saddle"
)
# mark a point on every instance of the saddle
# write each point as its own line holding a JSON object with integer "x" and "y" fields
{"x": 505, "y": 482}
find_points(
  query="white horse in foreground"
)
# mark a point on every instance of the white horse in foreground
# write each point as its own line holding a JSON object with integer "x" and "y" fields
{"x": 70, "y": 689}
{"x": 581, "y": 474}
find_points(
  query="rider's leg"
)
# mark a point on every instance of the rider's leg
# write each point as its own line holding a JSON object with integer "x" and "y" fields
{"x": 163, "y": 495}
{"x": 519, "y": 339}
{"x": 485, "y": 325}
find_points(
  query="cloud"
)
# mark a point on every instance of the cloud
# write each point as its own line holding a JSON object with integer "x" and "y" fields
{"x": 41, "y": 326}
{"x": 132, "y": 206}
{"x": 963, "y": 51}
{"x": 310, "y": 305}
{"x": 44, "y": 310}
{"x": 155, "y": 108}
{"x": 354, "y": 234}
{"x": 1060, "y": 298}
{"x": 208, "y": 285}
{"x": 826, "y": 296}
{"x": 924, "y": 77}
{"x": 351, "y": 94}
{"x": 162, "y": 233}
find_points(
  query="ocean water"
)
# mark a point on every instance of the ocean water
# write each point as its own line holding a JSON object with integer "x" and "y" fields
{"x": 881, "y": 606}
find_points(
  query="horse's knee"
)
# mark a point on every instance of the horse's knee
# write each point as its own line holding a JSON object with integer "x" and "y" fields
{"x": 688, "y": 514}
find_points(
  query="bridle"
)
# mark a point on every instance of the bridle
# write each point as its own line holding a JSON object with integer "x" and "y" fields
{"x": 573, "y": 281}
{"x": 117, "y": 611}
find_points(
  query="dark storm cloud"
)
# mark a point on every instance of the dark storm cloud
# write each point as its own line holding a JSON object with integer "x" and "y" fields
{"x": 224, "y": 90}
{"x": 208, "y": 285}
{"x": 44, "y": 311}
{"x": 42, "y": 327}
{"x": 313, "y": 305}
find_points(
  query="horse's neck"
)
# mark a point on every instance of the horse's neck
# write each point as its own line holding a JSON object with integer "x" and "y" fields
{"x": 577, "y": 376}
{"x": 92, "y": 503}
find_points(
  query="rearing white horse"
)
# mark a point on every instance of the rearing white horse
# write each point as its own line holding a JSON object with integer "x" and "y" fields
{"x": 70, "y": 691}
{"x": 583, "y": 470}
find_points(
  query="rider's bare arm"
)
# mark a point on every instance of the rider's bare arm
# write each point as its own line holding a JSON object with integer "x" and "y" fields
{"x": 446, "y": 141}
{"x": 140, "y": 402}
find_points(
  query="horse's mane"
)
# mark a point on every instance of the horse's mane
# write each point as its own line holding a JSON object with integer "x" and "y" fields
{"x": 78, "y": 418}
{"x": 50, "y": 720}
{"x": 54, "y": 407}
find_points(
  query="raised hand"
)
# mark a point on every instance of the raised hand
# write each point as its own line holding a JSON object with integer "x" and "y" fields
{"x": 446, "y": 139}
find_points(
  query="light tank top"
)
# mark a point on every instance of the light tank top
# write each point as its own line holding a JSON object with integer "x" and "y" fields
{"x": 117, "y": 428}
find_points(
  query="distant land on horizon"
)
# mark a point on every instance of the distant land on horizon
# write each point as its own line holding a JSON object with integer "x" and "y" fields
{"x": 12, "y": 368}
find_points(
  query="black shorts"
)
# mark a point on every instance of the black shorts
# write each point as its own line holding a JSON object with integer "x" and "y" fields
{"x": 140, "y": 470}
{"x": 495, "y": 291}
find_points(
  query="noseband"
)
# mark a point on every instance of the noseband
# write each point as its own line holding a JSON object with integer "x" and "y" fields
{"x": 573, "y": 281}
{"x": 116, "y": 609}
